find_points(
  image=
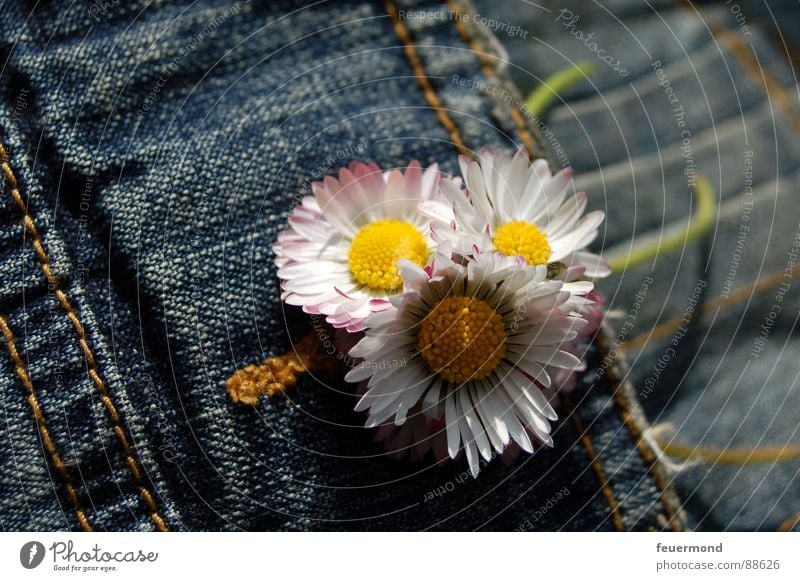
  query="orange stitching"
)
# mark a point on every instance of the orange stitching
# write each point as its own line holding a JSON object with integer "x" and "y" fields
{"x": 760, "y": 76}
{"x": 644, "y": 451}
{"x": 597, "y": 466}
{"x": 273, "y": 376}
{"x": 94, "y": 373}
{"x": 781, "y": 43}
{"x": 783, "y": 100}
{"x": 276, "y": 374}
{"x": 620, "y": 403}
{"x": 789, "y": 524}
{"x": 419, "y": 72}
{"x": 41, "y": 424}
{"x": 488, "y": 68}
{"x": 760, "y": 286}
{"x": 621, "y": 406}
{"x": 780, "y": 96}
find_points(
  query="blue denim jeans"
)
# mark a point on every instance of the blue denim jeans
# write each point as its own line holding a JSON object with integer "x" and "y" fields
{"x": 151, "y": 154}
{"x": 709, "y": 90}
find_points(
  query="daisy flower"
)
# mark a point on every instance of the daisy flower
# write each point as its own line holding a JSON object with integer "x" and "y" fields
{"x": 521, "y": 209}
{"x": 339, "y": 256}
{"x": 471, "y": 343}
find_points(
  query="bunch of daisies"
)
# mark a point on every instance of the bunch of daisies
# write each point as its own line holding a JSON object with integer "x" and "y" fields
{"x": 468, "y": 296}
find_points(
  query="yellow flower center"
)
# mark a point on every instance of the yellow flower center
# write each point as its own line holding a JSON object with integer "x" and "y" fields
{"x": 376, "y": 249}
{"x": 520, "y": 238}
{"x": 462, "y": 339}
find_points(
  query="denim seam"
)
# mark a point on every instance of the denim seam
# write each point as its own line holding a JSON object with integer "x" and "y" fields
{"x": 435, "y": 103}
{"x": 594, "y": 458}
{"x": 622, "y": 405}
{"x": 665, "y": 329}
{"x": 431, "y": 96}
{"x": 774, "y": 93}
{"x": 94, "y": 373}
{"x": 772, "y": 88}
{"x": 489, "y": 70}
{"x": 790, "y": 524}
{"x": 758, "y": 75}
{"x": 41, "y": 425}
{"x": 617, "y": 384}
{"x": 784, "y": 45}
{"x": 596, "y": 463}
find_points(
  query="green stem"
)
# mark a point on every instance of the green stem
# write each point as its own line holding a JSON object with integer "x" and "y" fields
{"x": 700, "y": 223}
{"x": 541, "y": 97}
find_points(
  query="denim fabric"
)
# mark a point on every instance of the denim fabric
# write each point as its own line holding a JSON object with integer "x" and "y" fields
{"x": 158, "y": 151}
{"x": 716, "y": 388}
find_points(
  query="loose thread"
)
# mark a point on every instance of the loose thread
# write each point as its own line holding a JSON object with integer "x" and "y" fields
{"x": 654, "y": 436}
{"x": 542, "y": 96}
{"x": 276, "y": 374}
{"x": 726, "y": 456}
{"x": 733, "y": 456}
{"x": 789, "y": 524}
{"x": 700, "y": 223}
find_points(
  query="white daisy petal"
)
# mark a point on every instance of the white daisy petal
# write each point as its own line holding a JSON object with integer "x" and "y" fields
{"x": 533, "y": 204}
{"x": 533, "y": 395}
{"x": 315, "y": 255}
{"x": 554, "y": 357}
{"x": 514, "y": 185}
{"x": 566, "y": 216}
{"x": 429, "y": 186}
{"x": 582, "y": 234}
{"x": 360, "y": 372}
{"x": 361, "y": 206}
{"x": 475, "y": 426}
{"x": 515, "y": 429}
{"x": 506, "y": 188}
{"x": 398, "y": 201}
{"x": 531, "y": 368}
{"x": 596, "y": 266}
{"x": 439, "y": 211}
{"x": 453, "y": 430}
{"x": 431, "y": 402}
{"x": 312, "y": 267}
{"x": 413, "y": 275}
{"x": 476, "y": 365}
{"x": 338, "y": 210}
{"x": 309, "y": 229}
{"x": 470, "y": 450}
{"x": 492, "y": 416}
